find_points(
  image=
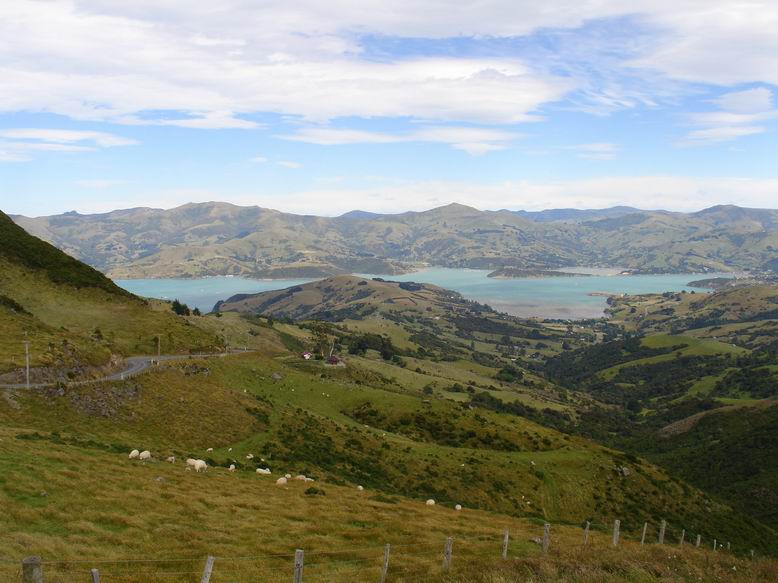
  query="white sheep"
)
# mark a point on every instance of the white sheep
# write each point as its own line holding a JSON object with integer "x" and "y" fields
{"x": 281, "y": 482}
{"x": 360, "y": 488}
{"x": 309, "y": 479}
{"x": 171, "y": 459}
{"x": 300, "y": 478}
{"x": 134, "y": 454}
{"x": 231, "y": 468}
{"x": 288, "y": 476}
{"x": 430, "y": 502}
{"x": 210, "y": 449}
{"x": 144, "y": 455}
{"x": 196, "y": 465}
{"x": 250, "y": 456}
{"x": 458, "y": 507}
{"x": 264, "y": 471}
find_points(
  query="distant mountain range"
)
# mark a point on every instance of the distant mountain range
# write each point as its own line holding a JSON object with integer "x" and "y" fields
{"x": 223, "y": 239}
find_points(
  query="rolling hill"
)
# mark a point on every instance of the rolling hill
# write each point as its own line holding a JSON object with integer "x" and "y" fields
{"x": 219, "y": 239}
{"x": 73, "y": 316}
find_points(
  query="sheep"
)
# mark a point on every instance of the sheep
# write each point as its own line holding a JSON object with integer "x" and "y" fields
{"x": 209, "y": 450}
{"x": 264, "y": 471}
{"x": 196, "y": 465}
{"x": 171, "y": 459}
{"x": 430, "y": 502}
{"x": 134, "y": 454}
{"x": 281, "y": 482}
{"x": 360, "y": 488}
{"x": 231, "y": 468}
{"x": 309, "y": 479}
{"x": 300, "y": 478}
{"x": 458, "y": 507}
{"x": 230, "y": 449}
{"x": 288, "y": 476}
{"x": 250, "y": 456}
{"x": 144, "y": 455}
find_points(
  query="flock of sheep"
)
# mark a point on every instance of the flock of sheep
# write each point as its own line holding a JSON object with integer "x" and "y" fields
{"x": 202, "y": 466}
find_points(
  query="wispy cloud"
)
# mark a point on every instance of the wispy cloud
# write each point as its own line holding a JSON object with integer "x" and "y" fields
{"x": 473, "y": 140}
{"x": 595, "y": 151}
{"x": 99, "y": 183}
{"x": 741, "y": 113}
{"x": 289, "y": 164}
{"x": 20, "y": 144}
{"x": 258, "y": 160}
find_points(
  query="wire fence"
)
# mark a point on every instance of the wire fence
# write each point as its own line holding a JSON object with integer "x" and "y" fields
{"x": 399, "y": 563}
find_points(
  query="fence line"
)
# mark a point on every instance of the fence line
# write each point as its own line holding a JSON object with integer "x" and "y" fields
{"x": 387, "y": 561}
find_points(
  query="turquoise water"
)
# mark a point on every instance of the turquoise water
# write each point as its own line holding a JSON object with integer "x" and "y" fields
{"x": 556, "y": 297}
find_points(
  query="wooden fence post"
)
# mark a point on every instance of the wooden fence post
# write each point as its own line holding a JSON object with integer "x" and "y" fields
{"x": 298, "y": 566}
{"x": 546, "y": 536}
{"x": 95, "y": 576}
{"x": 662, "y": 532}
{"x": 616, "y": 527}
{"x": 728, "y": 547}
{"x": 683, "y": 536}
{"x": 645, "y": 530}
{"x": 505, "y": 539}
{"x": 207, "y": 570}
{"x": 385, "y": 568}
{"x": 32, "y": 570}
{"x": 447, "y": 554}
{"x": 752, "y": 553}
{"x": 586, "y": 533}
{"x": 714, "y": 544}
{"x": 699, "y": 538}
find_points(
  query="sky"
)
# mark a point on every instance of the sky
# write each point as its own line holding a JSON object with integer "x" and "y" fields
{"x": 320, "y": 107}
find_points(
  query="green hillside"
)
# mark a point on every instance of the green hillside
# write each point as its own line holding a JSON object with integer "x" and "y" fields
{"x": 73, "y": 316}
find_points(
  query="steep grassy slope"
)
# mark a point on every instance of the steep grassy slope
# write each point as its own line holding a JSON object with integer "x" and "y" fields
{"x": 72, "y": 314}
{"x": 218, "y": 238}
{"x": 699, "y": 397}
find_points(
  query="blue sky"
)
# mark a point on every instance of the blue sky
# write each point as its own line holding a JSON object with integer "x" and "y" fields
{"x": 321, "y": 108}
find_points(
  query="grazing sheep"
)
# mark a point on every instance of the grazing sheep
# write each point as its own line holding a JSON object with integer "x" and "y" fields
{"x": 288, "y": 476}
{"x": 134, "y": 454}
{"x": 309, "y": 479}
{"x": 264, "y": 471}
{"x": 196, "y": 465}
{"x": 281, "y": 482}
{"x": 360, "y": 488}
{"x": 144, "y": 455}
{"x": 300, "y": 478}
{"x": 430, "y": 502}
{"x": 171, "y": 459}
{"x": 458, "y": 507}
{"x": 231, "y": 468}
{"x": 230, "y": 449}
{"x": 250, "y": 456}
{"x": 210, "y": 449}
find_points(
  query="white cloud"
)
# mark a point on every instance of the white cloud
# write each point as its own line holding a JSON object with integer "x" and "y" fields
{"x": 289, "y": 164}
{"x": 99, "y": 183}
{"x": 595, "y": 151}
{"x": 19, "y": 144}
{"x": 740, "y": 114}
{"x": 746, "y": 102}
{"x": 57, "y": 136}
{"x": 259, "y": 160}
{"x": 473, "y": 140}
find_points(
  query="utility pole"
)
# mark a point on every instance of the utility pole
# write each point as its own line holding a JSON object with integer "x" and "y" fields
{"x": 27, "y": 360}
